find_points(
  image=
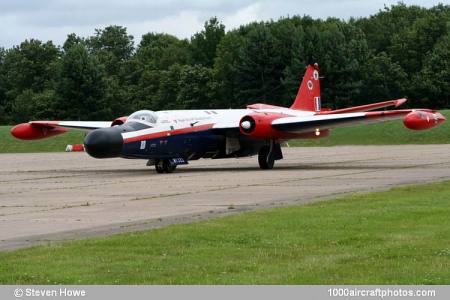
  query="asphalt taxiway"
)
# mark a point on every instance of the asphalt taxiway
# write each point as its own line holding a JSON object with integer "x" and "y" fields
{"x": 59, "y": 196}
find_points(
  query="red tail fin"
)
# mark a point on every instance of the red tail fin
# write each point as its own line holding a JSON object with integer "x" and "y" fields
{"x": 308, "y": 96}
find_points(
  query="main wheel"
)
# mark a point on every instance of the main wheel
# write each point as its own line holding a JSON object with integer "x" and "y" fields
{"x": 168, "y": 167}
{"x": 265, "y": 158}
{"x": 159, "y": 166}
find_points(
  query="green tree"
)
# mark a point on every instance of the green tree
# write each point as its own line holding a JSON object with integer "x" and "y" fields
{"x": 400, "y": 51}
{"x": 113, "y": 48}
{"x": 196, "y": 87}
{"x": 29, "y": 66}
{"x": 383, "y": 28}
{"x": 81, "y": 86}
{"x": 433, "y": 88}
{"x": 341, "y": 51}
{"x": 166, "y": 96}
{"x": 30, "y": 105}
{"x": 147, "y": 93}
{"x": 289, "y": 38}
{"x": 160, "y": 51}
{"x": 204, "y": 43}
{"x": 3, "y": 89}
{"x": 258, "y": 69}
{"x": 113, "y": 40}
{"x": 72, "y": 40}
{"x": 411, "y": 44}
{"x": 384, "y": 79}
{"x": 225, "y": 71}
{"x": 342, "y": 57}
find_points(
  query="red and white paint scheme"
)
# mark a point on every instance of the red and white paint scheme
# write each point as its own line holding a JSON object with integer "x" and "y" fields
{"x": 169, "y": 138}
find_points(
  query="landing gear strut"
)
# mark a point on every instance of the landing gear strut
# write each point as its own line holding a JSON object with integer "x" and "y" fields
{"x": 164, "y": 166}
{"x": 268, "y": 154}
{"x": 265, "y": 158}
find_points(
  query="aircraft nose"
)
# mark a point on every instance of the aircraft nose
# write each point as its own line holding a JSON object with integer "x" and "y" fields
{"x": 104, "y": 143}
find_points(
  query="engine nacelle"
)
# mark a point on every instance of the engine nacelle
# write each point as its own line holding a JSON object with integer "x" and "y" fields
{"x": 259, "y": 125}
{"x": 28, "y": 131}
{"x": 421, "y": 120}
{"x": 119, "y": 121}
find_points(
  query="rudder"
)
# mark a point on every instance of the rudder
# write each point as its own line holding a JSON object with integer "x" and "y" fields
{"x": 308, "y": 96}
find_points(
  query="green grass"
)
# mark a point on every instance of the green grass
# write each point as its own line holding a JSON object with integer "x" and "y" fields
{"x": 401, "y": 236}
{"x": 386, "y": 133}
{"x": 9, "y": 144}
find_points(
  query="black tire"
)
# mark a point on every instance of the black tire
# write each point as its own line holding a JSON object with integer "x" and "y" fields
{"x": 159, "y": 167}
{"x": 265, "y": 160}
{"x": 168, "y": 168}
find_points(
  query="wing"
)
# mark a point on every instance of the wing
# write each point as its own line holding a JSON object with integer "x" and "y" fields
{"x": 44, "y": 129}
{"x": 330, "y": 121}
{"x": 266, "y": 125}
{"x": 81, "y": 125}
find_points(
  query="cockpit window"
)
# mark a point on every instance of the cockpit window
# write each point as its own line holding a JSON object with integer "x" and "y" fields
{"x": 144, "y": 116}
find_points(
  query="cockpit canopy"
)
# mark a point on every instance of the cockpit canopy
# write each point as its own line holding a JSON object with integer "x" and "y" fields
{"x": 143, "y": 116}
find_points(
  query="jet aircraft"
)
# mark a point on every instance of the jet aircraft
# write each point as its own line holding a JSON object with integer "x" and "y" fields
{"x": 167, "y": 139}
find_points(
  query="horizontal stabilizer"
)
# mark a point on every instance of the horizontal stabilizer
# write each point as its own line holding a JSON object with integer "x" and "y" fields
{"x": 367, "y": 107}
{"x": 263, "y": 106}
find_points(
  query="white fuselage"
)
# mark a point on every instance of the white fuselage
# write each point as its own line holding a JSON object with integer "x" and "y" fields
{"x": 218, "y": 118}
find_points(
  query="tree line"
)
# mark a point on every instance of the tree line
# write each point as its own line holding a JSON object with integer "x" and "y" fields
{"x": 402, "y": 51}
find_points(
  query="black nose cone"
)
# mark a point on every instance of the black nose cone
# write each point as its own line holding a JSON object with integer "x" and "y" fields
{"x": 104, "y": 143}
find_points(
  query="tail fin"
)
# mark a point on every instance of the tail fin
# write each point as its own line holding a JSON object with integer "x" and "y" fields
{"x": 308, "y": 96}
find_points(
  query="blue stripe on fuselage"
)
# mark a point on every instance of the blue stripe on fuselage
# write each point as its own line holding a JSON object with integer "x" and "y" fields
{"x": 191, "y": 145}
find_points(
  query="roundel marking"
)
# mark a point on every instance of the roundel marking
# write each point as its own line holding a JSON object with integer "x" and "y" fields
{"x": 316, "y": 75}
{"x": 310, "y": 84}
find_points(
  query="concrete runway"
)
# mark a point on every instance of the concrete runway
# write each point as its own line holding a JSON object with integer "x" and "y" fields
{"x": 59, "y": 196}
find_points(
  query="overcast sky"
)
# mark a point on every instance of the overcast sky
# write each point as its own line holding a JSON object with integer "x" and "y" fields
{"x": 54, "y": 19}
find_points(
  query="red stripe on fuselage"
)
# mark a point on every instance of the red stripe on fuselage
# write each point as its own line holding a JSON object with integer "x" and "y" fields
{"x": 168, "y": 133}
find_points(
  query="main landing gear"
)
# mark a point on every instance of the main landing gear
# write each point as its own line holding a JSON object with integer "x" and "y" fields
{"x": 268, "y": 154}
{"x": 164, "y": 166}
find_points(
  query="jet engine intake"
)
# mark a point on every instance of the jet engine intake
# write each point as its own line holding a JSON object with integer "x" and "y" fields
{"x": 259, "y": 125}
{"x": 119, "y": 121}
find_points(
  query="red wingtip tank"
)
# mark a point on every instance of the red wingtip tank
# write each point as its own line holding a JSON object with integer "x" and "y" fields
{"x": 421, "y": 120}
{"x": 27, "y": 131}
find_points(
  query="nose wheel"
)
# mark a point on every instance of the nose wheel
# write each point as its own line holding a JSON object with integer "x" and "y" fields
{"x": 164, "y": 166}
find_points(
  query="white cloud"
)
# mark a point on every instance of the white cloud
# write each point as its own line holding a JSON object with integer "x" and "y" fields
{"x": 182, "y": 25}
{"x": 245, "y": 15}
{"x": 53, "y": 19}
